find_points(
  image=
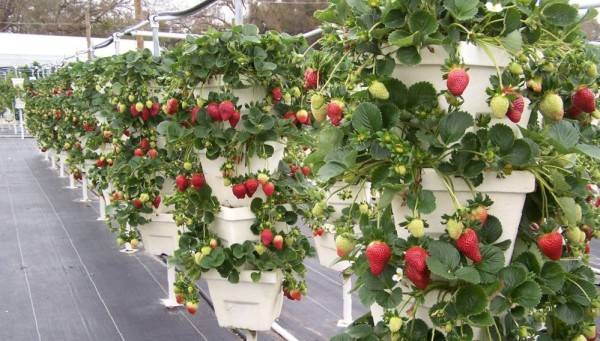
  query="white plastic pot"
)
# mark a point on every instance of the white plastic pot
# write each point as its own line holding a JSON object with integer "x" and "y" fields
{"x": 508, "y": 195}
{"x": 327, "y": 254}
{"x": 160, "y": 235}
{"x": 232, "y": 225}
{"x": 481, "y": 67}
{"x": 246, "y": 304}
{"x": 214, "y": 175}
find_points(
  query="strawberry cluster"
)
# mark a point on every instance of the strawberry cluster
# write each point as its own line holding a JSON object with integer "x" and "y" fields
{"x": 415, "y": 266}
{"x": 250, "y": 186}
{"x": 196, "y": 180}
{"x": 224, "y": 111}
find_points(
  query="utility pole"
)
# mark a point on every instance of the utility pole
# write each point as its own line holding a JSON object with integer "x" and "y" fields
{"x": 139, "y": 17}
{"x": 88, "y": 29}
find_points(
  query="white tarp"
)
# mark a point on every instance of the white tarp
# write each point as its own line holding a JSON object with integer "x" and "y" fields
{"x": 24, "y": 49}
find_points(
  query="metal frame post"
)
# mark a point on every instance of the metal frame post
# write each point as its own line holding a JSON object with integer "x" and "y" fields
{"x": 239, "y": 12}
{"x": 84, "y": 189}
{"x": 347, "y": 302}
{"x": 61, "y": 170}
{"x": 117, "y": 41}
{"x": 154, "y": 24}
{"x": 72, "y": 184}
{"x": 170, "y": 301}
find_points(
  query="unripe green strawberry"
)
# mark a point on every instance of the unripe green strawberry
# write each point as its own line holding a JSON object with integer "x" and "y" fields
{"x": 535, "y": 85}
{"x": 139, "y": 106}
{"x": 144, "y": 197}
{"x": 590, "y": 331}
{"x": 395, "y": 324}
{"x": 596, "y": 114}
{"x": 591, "y": 69}
{"x": 198, "y": 257}
{"x": 295, "y": 91}
{"x": 317, "y": 100}
{"x": 454, "y": 228}
{"x": 574, "y": 235}
{"x": 416, "y": 227}
{"x": 578, "y": 213}
{"x": 373, "y": 3}
{"x": 205, "y": 250}
{"x": 187, "y": 166}
{"x": 400, "y": 169}
{"x": 551, "y": 106}
{"x": 318, "y": 209}
{"x": 579, "y": 338}
{"x": 131, "y": 98}
{"x": 378, "y": 90}
{"x": 499, "y": 105}
{"x": 260, "y": 249}
{"x": 515, "y": 68}
{"x": 344, "y": 245}
{"x": 364, "y": 208}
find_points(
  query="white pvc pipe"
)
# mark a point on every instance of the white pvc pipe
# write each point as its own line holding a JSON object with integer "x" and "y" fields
{"x": 283, "y": 332}
{"x": 22, "y": 126}
{"x": 347, "y": 303}
{"x": 102, "y": 208}
{"x": 46, "y": 156}
{"x": 71, "y": 182}
{"x": 53, "y": 163}
{"x": 239, "y": 12}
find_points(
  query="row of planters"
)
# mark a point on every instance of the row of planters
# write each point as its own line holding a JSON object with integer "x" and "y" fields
{"x": 444, "y": 152}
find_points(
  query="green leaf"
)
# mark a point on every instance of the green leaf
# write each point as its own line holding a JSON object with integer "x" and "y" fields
{"x": 512, "y": 276}
{"x": 553, "y": 276}
{"x": 330, "y": 170}
{"x": 569, "y": 210}
{"x": 367, "y": 118}
{"x": 398, "y": 93}
{"x": 462, "y": 9}
{"x": 493, "y": 261}
{"x": 401, "y": 38}
{"x": 468, "y": 274}
{"x": 422, "y": 21}
{"x": 425, "y": 204}
{"x": 359, "y": 6}
{"x": 528, "y": 294}
{"x": 589, "y": 150}
{"x": 408, "y": 55}
{"x": 422, "y": 94}
{"x": 499, "y": 305}
{"x": 521, "y": 153}
{"x": 454, "y": 125}
{"x": 579, "y": 291}
{"x": 512, "y": 42}
{"x": 471, "y": 300}
{"x": 491, "y": 231}
{"x": 564, "y": 135}
{"x": 394, "y": 18}
{"x": 512, "y": 20}
{"x": 570, "y": 313}
{"x": 484, "y": 319}
{"x": 249, "y": 30}
{"x": 359, "y": 330}
{"x": 559, "y": 14}
{"x": 502, "y": 136}
{"x": 444, "y": 252}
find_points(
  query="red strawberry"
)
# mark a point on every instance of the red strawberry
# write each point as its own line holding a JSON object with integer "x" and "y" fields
{"x": 172, "y": 106}
{"x": 198, "y": 181}
{"x": 276, "y": 93}
{"x": 268, "y": 188}
{"x": 266, "y": 237}
{"x": 573, "y": 111}
{"x": 156, "y": 201}
{"x": 234, "y": 119}
{"x": 145, "y": 114}
{"x": 226, "y": 110}
{"x": 468, "y": 245}
{"x": 194, "y": 114}
{"x": 100, "y": 163}
{"x": 416, "y": 258}
{"x": 191, "y": 307}
{"x": 306, "y": 170}
{"x": 419, "y": 278}
{"x": 334, "y": 112}
{"x": 587, "y": 248}
{"x": 145, "y": 144}
{"x": 155, "y": 109}
{"x": 584, "y": 99}
{"x": 457, "y": 81}
{"x": 179, "y": 299}
{"x": 290, "y": 115}
{"x": 515, "y": 110}
{"x": 181, "y": 182}
{"x": 213, "y": 111}
{"x": 295, "y": 294}
{"x": 302, "y": 116}
{"x": 378, "y": 255}
{"x": 239, "y": 190}
{"x": 251, "y": 186}
{"x": 311, "y": 78}
{"x": 479, "y": 213}
{"x": 152, "y": 153}
{"x": 278, "y": 242}
{"x": 551, "y": 245}
{"x": 138, "y": 152}
{"x": 137, "y": 203}
{"x": 318, "y": 232}
{"x": 133, "y": 111}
